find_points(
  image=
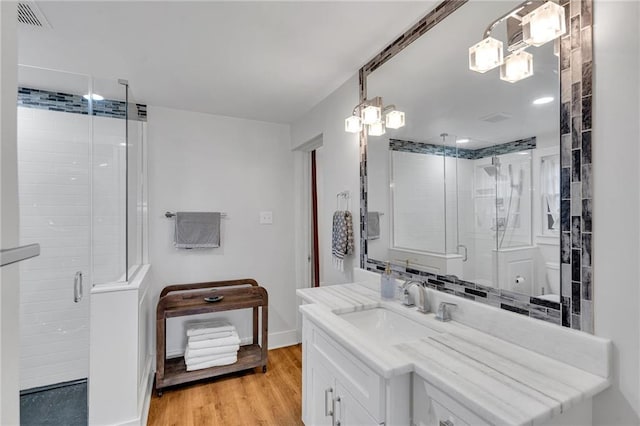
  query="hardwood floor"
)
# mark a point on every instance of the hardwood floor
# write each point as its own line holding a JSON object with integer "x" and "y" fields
{"x": 244, "y": 398}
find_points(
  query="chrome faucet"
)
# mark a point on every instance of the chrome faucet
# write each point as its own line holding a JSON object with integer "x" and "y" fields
{"x": 443, "y": 313}
{"x": 408, "y": 299}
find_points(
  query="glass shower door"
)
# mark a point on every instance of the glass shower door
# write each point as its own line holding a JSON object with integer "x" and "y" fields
{"x": 54, "y": 145}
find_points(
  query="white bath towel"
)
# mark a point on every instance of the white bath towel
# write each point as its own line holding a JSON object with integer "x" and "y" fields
{"x": 234, "y": 339}
{"x": 214, "y": 363}
{"x": 189, "y": 359}
{"x": 211, "y": 326}
{"x": 215, "y": 335}
{"x": 196, "y": 353}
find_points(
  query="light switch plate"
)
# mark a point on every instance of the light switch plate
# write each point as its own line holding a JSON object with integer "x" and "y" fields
{"x": 266, "y": 218}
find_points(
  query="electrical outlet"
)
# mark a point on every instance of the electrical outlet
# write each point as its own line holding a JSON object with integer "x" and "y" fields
{"x": 266, "y": 218}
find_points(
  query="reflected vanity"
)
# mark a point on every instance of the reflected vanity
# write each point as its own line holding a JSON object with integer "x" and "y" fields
{"x": 471, "y": 194}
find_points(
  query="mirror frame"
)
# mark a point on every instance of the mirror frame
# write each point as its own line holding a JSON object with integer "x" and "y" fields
{"x": 575, "y": 309}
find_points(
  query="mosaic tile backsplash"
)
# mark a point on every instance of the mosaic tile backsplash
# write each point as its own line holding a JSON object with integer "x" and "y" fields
{"x": 76, "y": 104}
{"x": 576, "y": 126}
{"x": 469, "y": 154}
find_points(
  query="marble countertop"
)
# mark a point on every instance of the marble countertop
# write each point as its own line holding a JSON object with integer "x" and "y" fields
{"x": 502, "y": 382}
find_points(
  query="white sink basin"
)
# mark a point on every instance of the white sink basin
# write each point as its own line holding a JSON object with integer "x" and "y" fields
{"x": 387, "y": 327}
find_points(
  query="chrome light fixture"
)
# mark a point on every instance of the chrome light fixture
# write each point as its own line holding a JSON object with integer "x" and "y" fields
{"x": 376, "y": 129}
{"x": 533, "y": 27}
{"x": 517, "y": 66}
{"x": 486, "y": 55}
{"x": 370, "y": 113}
{"x": 394, "y": 119}
{"x": 544, "y": 24}
{"x": 353, "y": 124}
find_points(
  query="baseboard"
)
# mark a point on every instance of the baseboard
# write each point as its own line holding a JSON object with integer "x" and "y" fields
{"x": 145, "y": 394}
{"x": 283, "y": 338}
{"x": 276, "y": 340}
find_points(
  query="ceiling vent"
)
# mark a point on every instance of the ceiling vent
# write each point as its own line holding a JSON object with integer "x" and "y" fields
{"x": 30, "y": 14}
{"x": 496, "y": 117}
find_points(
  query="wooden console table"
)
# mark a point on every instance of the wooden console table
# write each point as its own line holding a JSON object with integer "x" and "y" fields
{"x": 188, "y": 299}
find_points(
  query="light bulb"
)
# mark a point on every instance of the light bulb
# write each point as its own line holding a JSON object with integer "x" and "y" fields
{"x": 543, "y": 24}
{"x": 485, "y": 55}
{"x": 517, "y": 66}
{"x": 353, "y": 124}
{"x": 93, "y": 97}
{"x": 394, "y": 119}
{"x": 376, "y": 129}
{"x": 371, "y": 114}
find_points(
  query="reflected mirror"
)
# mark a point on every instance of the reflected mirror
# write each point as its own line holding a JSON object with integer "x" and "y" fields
{"x": 470, "y": 186}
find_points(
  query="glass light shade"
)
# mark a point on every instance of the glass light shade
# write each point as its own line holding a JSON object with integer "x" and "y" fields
{"x": 543, "y": 24}
{"x": 485, "y": 55}
{"x": 371, "y": 114}
{"x": 376, "y": 129}
{"x": 517, "y": 66}
{"x": 353, "y": 124}
{"x": 394, "y": 119}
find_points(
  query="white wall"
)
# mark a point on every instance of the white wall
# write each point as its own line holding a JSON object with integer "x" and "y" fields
{"x": 340, "y": 153}
{"x": 617, "y": 204}
{"x": 9, "y": 275}
{"x": 202, "y": 162}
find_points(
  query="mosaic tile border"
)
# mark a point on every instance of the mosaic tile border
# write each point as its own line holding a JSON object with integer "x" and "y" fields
{"x": 76, "y": 104}
{"x": 576, "y": 126}
{"x": 467, "y": 154}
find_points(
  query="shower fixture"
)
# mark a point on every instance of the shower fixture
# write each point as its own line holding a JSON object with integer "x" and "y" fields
{"x": 531, "y": 23}
{"x": 375, "y": 116}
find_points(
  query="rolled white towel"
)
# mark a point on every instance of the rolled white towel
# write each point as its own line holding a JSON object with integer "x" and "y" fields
{"x": 214, "y": 363}
{"x": 210, "y": 351}
{"x": 234, "y": 339}
{"x": 189, "y": 359}
{"x": 210, "y": 326}
{"x": 214, "y": 335}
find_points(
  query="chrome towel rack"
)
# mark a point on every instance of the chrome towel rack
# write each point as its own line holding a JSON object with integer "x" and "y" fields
{"x": 170, "y": 214}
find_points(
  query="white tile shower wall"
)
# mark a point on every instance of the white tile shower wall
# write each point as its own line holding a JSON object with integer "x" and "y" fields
{"x": 203, "y": 162}
{"x": 53, "y": 177}
{"x": 418, "y": 193}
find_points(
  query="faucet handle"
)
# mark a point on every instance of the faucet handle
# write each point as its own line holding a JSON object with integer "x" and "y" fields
{"x": 443, "y": 313}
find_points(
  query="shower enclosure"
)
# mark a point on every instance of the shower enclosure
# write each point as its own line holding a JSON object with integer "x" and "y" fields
{"x": 462, "y": 211}
{"x": 80, "y": 168}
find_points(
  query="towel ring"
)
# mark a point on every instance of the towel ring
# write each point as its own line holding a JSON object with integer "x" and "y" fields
{"x": 344, "y": 195}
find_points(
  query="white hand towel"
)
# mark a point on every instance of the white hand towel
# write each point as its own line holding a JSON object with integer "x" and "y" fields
{"x": 211, "y": 326}
{"x": 215, "y": 335}
{"x": 214, "y": 363}
{"x": 212, "y": 343}
{"x": 211, "y": 351}
{"x": 190, "y": 359}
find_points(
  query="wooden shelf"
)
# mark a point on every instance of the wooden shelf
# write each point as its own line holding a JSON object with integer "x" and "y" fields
{"x": 188, "y": 299}
{"x": 175, "y": 369}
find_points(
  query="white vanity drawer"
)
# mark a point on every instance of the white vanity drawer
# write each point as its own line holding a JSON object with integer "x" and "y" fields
{"x": 432, "y": 407}
{"x": 366, "y": 386}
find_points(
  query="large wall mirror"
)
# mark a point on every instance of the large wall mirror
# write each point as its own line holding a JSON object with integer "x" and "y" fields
{"x": 485, "y": 191}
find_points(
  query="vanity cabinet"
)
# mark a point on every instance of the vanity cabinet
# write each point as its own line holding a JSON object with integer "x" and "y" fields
{"x": 431, "y": 407}
{"x": 338, "y": 389}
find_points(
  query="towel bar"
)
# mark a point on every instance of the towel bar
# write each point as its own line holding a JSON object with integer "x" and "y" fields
{"x": 170, "y": 215}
